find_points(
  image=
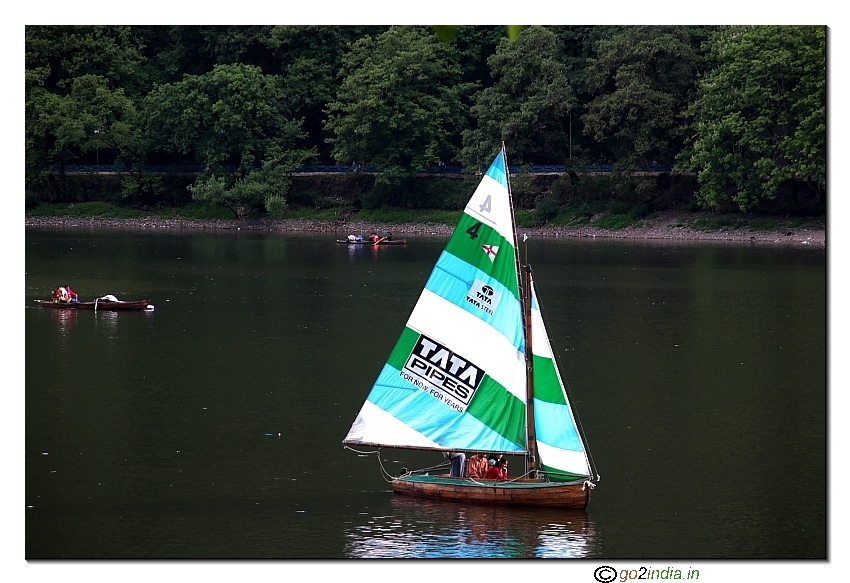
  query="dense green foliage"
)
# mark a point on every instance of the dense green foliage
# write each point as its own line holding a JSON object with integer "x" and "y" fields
{"x": 742, "y": 107}
{"x": 760, "y": 117}
{"x": 400, "y": 103}
{"x": 642, "y": 78}
{"x": 528, "y": 106}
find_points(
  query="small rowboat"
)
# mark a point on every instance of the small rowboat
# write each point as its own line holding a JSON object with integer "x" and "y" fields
{"x": 96, "y": 305}
{"x": 380, "y": 243}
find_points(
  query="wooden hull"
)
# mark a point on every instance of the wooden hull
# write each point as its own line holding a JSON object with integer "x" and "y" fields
{"x": 105, "y": 306}
{"x": 394, "y": 242}
{"x": 523, "y": 492}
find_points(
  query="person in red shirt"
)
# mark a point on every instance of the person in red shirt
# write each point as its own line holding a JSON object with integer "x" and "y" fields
{"x": 498, "y": 472}
{"x": 72, "y": 295}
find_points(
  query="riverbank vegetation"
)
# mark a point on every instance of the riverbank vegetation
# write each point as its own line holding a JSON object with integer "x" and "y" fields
{"x": 716, "y": 118}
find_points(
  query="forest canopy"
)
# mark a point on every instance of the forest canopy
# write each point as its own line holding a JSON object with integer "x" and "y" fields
{"x": 742, "y": 107}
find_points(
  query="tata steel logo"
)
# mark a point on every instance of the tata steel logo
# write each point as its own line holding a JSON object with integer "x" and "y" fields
{"x": 483, "y": 297}
{"x": 443, "y": 374}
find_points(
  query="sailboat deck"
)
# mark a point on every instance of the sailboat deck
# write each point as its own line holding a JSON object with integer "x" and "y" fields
{"x": 509, "y": 483}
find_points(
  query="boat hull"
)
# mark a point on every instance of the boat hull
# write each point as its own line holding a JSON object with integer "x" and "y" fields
{"x": 105, "y": 306}
{"x": 507, "y": 493}
{"x": 394, "y": 242}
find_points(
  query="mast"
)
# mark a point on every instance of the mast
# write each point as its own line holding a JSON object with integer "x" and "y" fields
{"x": 524, "y": 284}
{"x": 531, "y": 459}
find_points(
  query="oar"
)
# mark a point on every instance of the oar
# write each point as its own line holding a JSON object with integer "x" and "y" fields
{"x": 378, "y": 241}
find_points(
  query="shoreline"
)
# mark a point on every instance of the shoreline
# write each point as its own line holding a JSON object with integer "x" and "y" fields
{"x": 670, "y": 226}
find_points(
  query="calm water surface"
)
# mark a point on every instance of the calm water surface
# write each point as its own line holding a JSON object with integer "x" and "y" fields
{"x": 211, "y": 427}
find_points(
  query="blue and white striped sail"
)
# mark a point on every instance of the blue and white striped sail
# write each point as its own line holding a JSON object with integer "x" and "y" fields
{"x": 456, "y": 379}
{"x": 560, "y": 448}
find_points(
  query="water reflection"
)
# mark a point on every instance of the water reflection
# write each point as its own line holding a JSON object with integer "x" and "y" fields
{"x": 432, "y": 529}
{"x": 64, "y": 320}
{"x": 107, "y": 322}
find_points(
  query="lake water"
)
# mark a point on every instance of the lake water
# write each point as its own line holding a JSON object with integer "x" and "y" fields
{"x": 212, "y": 426}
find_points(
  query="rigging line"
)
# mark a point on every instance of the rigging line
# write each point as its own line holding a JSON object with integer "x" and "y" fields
{"x": 566, "y": 384}
{"x": 377, "y": 454}
{"x": 360, "y": 452}
{"x": 525, "y": 475}
{"x": 439, "y": 466}
{"x": 388, "y": 478}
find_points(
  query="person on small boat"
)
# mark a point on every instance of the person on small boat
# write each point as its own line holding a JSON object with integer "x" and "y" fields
{"x": 458, "y": 460}
{"x": 388, "y": 236}
{"x": 65, "y": 294}
{"x": 108, "y": 298}
{"x": 359, "y": 238}
{"x": 374, "y": 238}
{"x": 72, "y": 295}
{"x": 499, "y": 471}
{"x": 60, "y": 294}
{"x": 352, "y": 238}
{"x": 476, "y": 466}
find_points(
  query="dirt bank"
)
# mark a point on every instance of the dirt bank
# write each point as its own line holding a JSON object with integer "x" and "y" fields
{"x": 661, "y": 226}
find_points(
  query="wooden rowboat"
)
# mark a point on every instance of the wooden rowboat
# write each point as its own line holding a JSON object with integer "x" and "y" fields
{"x": 380, "y": 243}
{"x": 96, "y": 305}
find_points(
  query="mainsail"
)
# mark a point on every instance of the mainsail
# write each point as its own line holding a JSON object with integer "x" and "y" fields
{"x": 456, "y": 379}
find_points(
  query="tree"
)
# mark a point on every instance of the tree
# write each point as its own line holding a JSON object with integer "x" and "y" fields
{"x": 642, "y": 78}
{"x": 400, "y": 102}
{"x": 41, "y": 150}
{"x": 760, "y": 116}
{"x": 230, "y": 116}
{"x": 310, "y": 58}
{"x": 576, "y": 48}
{"x": 266, "y": 187}
{"x": 90, "y": 117}
{"x": 528, "y": 105}
{"x": 80, "y": 83}
{"x": 235, "y": 122}
{"x": 110, "y": 52}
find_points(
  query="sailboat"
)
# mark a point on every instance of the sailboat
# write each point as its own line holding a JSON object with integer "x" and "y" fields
{"x": 474, "y": 372}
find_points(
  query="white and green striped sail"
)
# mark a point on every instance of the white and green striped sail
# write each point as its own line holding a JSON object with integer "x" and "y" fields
{"x": 560, "y": 448}
{"x": 456, "y": 379}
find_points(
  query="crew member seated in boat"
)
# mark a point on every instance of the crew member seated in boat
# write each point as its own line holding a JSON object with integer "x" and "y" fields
{"x": 458, "y": 460}
{"x": 72, "y": 295}
{"x": 374, "y": 237}
{"x": 60, "y": 294}
{"x": 359, "y": 238}
{"x": 388, "y": 236}
{"x": 352, "y": 238}
{"x": 476, "y": 466}
{"x": 499, "y": 471}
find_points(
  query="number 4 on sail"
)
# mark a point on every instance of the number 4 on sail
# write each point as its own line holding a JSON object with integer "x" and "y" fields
{"x": 473, "y": 372}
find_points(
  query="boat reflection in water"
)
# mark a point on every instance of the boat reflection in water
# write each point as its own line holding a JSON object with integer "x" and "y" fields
{"x": 65, "y": 320}
{"x": 425, "y": 528}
